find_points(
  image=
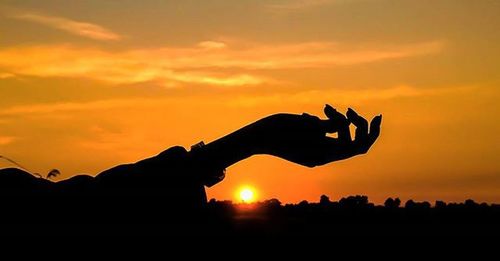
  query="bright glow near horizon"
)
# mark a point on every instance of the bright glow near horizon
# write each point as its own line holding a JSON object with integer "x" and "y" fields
{"x": 247, "y": 195}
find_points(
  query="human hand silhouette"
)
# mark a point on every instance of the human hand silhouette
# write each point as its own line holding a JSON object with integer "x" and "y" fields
{"x": 303, "y": 139}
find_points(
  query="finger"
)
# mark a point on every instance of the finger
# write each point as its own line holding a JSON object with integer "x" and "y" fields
{"x": 337, "y": 122}
{"x": 331, "y": 112}
{"x": 363, "y": 146}
{"x": 342, "y": 129}
{"x": 334, "y": 119}
{"x": 361, "y": 124}
{"x": 344, "y": 133}
{"x": 375, "y": 128}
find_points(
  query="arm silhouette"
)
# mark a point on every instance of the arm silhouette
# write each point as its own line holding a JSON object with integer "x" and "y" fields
{"x": 301, "y": 139}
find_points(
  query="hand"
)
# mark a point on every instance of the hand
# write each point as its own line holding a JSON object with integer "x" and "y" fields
{"x": 302, "y": 138}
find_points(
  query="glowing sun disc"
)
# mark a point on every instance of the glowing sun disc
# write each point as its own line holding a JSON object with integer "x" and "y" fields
{"x": 247, "y": 195}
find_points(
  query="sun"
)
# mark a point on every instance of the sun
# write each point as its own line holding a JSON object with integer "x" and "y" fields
{"x": 247, "y": 194}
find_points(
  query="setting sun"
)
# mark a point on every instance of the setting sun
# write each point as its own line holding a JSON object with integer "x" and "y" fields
{"x": 247, "y": 194}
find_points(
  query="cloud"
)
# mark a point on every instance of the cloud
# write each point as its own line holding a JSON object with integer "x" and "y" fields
{"x": 219, "y": 64}
{"x": 295, "y": 5}
{"x": 339, "y": 96}
{"x": 345, "y": 96}
{"x": 6, "y": 75}
{"x": 49, "y": 108}
{"x": 4, "y": 140}
{"x": 212, "y": 45}
{"x": 290, "y": 6}
{"x": 84, "y": 29}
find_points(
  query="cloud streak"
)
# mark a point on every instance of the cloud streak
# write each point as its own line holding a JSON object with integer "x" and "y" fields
{"x": 296, "y": 5}
{"x": 340, "y": 96}
{"x": 49, "y": 108}
{"x": 290, "y": 6}
{"x": 208, "y": 63}
{"x": 84, "y": 29}
{"x": 346, "y": 97}
{"x": 6, "y": 75}
{"x": 4, "y": 140}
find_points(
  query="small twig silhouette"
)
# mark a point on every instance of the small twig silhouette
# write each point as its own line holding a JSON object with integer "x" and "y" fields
{"x": 53, "y": 173}
{"x": 13, "y": 162}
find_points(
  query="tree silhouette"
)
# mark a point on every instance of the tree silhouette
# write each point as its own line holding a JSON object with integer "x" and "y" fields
{"x": 392, "y": 203}
{"x": 53, "y": 173}
{"x": 324, "y": 200}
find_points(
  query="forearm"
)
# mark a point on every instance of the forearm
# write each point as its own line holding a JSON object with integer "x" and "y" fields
{"x": 229, "y": 149}
{"x": 259, "y": 137}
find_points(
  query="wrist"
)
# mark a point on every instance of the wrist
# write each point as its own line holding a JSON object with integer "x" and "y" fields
{"x": 204, "y": 166}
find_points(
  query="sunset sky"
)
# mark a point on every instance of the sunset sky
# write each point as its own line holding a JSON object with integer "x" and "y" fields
{"x": 86, "y": 85}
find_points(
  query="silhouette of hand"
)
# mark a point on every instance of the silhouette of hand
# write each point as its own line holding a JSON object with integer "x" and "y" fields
{"x": 302, "y": 138}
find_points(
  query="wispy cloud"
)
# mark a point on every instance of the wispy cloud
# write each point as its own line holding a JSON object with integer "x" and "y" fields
{"x": 290, "y": 6}
{"x": 211, "y": 64}
{"x": 294, "y": 5}
{"x": 6, "y": 75}
{"x": 84, "y": 29}
{"x": 48, "y": 108}
{"x": 339, "y": 96}
{"x": 4, "y": 140}
{"x": 212, "y": 45}
{"x": 345, "y": 96}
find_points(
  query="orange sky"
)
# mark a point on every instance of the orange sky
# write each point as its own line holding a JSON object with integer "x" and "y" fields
{"x": 86, "y": 86}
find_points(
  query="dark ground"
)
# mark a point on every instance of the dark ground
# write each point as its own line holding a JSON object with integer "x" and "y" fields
{"x": 351, "y": 216}
{"x": 79, "y": 206}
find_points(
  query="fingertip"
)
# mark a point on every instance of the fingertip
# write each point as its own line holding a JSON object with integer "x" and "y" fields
{"x": 375, "y": 127}
{"x": 377, "y": 120}
{"x": 350, "y": 113}
{"x": 329, "y": 107}
{"x": 333, "y": 114}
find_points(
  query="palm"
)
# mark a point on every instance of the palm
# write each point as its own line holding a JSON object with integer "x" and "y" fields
{"x": 302, "y": 138}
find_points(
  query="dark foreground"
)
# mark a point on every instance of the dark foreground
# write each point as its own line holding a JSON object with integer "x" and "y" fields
{"x": 352, "y": 216}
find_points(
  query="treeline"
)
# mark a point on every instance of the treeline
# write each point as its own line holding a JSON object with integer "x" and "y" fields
{"x": 360, "y": 201}
{"x": 358, "y": 209}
